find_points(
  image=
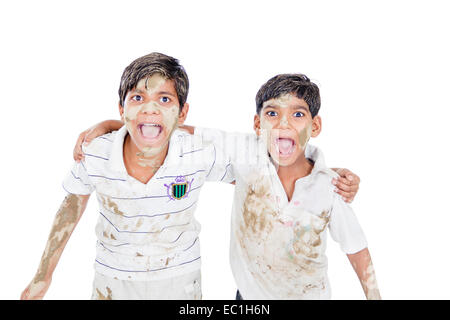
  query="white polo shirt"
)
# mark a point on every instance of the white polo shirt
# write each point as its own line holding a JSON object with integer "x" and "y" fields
{"x": 147, "y": 231}
{"x": 277, "y": 248}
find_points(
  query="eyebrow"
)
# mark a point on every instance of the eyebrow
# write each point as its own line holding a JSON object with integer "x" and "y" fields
{"x": 297, "y": 107}
{"x": 301, "y": 107}
{"x": 167, "y": 93}
{"x": 159, "y": 92}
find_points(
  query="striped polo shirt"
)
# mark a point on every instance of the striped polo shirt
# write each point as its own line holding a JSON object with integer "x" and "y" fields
{"x": 147, "y": 231}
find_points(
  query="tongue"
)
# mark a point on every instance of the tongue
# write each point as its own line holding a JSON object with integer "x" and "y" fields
{"x": 150, "y": 131}
{"x": 284, "y": 145}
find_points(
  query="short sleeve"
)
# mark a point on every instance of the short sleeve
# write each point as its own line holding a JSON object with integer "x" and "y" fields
{"x": 218, "y": 146}
{"x": 77, "y": 181}
{"x": 345, "y": 228}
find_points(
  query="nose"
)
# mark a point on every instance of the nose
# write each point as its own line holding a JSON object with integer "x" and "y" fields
{"x": 150, "y": 108}
{"x": 284, "y": 122}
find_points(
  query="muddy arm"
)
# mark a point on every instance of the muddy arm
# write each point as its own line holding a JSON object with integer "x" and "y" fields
{"x": 362, "y": 264}
{"x": 64, "y": 223}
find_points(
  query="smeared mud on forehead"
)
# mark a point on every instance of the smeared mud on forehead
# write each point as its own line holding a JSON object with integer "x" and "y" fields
{"x": 150, "y": 85}
{"x": 282, "y": 101}
{"x": 153, "y": 82}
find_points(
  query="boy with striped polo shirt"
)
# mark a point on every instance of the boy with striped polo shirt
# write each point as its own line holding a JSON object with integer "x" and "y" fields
{"x": 147, "y": 177}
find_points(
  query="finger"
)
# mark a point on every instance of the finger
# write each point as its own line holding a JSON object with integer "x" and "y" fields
{"x": 345, "y": 181}
{"x": 345, "y": 173}
{"x": 91, "y": 135}
{"x": 342, "y": 172}
{"x": 79, "y": 157}
{"x": 77, "y": 148}
{"x": 352, "y": 187}
{"x": 347, "y": 196}
{"x": 24, "y": 294}
{"x": 343, "y": 187}
{"x": 352, "y": 178}
{"x": 349, "y": 179}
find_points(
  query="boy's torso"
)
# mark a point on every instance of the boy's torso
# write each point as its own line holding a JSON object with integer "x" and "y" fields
{"x": 147, "y": 231}
{"x": 278, "y": 246}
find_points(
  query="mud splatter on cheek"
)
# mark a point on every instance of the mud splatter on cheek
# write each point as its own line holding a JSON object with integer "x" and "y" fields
{"x": 266, "y": 125}
{"x": 304, "y": 135}
{"x": 266, "y": 131}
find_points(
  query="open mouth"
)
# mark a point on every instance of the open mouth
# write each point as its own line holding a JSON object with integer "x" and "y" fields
{"x": 150, "y": 131}
{"x": 285, "y": 146}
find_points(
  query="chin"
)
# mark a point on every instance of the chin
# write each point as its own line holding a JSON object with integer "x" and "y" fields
{"x": 286, "y": 161}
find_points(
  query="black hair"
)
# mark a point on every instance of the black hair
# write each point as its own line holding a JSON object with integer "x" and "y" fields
{"x": 148, "y": 65}
{"x": 297, "y": 84}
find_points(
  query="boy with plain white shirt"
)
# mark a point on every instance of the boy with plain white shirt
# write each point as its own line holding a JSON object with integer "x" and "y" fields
{"x": 284, "y": 204}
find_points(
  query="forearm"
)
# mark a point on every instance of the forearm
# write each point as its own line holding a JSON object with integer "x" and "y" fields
{"x": 64, "y": 223}
{"x": 113, "y": 125}
{"x": 362, "y": 264}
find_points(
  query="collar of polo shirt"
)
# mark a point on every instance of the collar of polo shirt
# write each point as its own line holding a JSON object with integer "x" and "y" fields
{"x": 116, "y": 162}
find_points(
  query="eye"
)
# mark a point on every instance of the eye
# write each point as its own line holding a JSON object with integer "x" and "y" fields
{"x": 164, "y": 99}
{"x": 271, "y": 113}
{"x": 298, "y": 114}
{"x": 137, "y": 98}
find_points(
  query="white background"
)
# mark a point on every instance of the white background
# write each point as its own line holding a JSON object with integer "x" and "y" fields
{"x": 383, "y": 70}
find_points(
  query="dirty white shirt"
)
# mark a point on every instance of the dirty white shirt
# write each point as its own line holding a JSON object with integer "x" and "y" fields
{"x": 277, "y": 248}
{"x": 147, "y": 231}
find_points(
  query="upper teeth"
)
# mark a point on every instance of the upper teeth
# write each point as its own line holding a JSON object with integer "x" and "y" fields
{"x": 151, "y": 124}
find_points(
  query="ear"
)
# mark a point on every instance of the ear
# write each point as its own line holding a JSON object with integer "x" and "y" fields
{"x": 316, "y": 126}
{"x": 121, "y": 111}
{"x": 257, "y": 124}
{"x": 183, "y": 114}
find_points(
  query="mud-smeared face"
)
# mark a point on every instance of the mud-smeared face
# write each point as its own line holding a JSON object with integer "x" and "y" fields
{"x": 286, "y": 125}
{"x": 151, "y": 114}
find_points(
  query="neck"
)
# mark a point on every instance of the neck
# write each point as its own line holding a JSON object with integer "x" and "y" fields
{"x": 299, "y": 169}
{"x": 140, "y": 167}
{"x": 289, "y": 174}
